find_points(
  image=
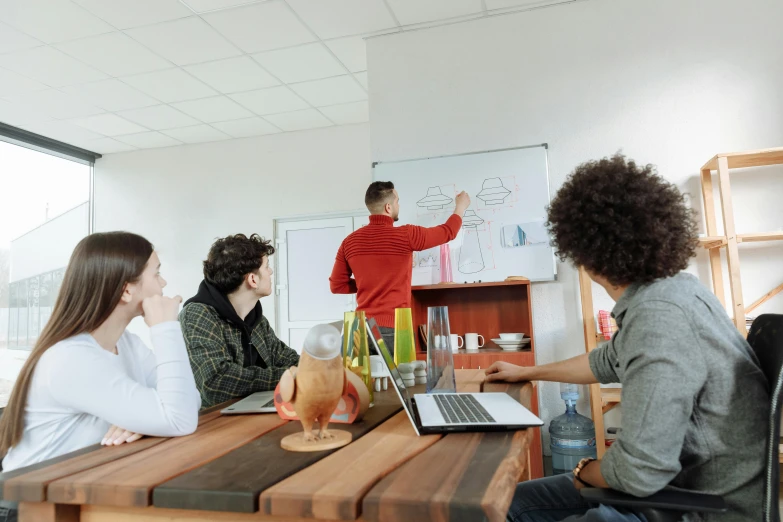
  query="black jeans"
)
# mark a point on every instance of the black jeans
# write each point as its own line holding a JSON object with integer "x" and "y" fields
{"x": 553, "y": 499}
{"x": 388, "y": 338}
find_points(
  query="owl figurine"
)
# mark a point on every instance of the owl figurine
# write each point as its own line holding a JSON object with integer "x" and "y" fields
{"x": 317, "y": 384}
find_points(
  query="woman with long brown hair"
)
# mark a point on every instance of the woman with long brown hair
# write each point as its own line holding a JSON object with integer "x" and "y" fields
{"x": 87, "y": 373}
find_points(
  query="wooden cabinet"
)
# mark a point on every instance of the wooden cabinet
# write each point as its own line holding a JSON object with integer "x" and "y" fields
{"x": 484, "y": 358}
{"x": 487, "y": 309}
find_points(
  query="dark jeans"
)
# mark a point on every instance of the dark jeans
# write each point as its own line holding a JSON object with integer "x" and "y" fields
{"x": 553, "y": 499}
{"x": 388, "y": 338}
{"x": 8, "y": 511}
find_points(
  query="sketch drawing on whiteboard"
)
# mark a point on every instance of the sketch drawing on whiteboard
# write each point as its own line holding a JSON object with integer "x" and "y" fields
{"x": 524, "y": 234}
{"x": 471, "y": 258}
{"x": 434, "y": 200}
{"x": 493, "y": 192}
{"x": 428, "y": 262}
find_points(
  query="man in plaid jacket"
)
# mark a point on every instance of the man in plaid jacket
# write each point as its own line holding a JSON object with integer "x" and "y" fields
{"x": 232, "y": 348}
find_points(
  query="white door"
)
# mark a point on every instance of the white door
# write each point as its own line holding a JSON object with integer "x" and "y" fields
{"x": 306, "y": 252}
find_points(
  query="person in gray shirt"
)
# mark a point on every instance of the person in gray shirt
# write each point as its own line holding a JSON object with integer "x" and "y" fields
{"x": 695, "y": 402}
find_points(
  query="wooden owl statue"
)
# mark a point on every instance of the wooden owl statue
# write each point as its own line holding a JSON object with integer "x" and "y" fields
{"x": 315, "y": 388}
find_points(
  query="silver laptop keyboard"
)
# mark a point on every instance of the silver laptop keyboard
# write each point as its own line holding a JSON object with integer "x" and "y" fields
{"x": 462, "y": 409}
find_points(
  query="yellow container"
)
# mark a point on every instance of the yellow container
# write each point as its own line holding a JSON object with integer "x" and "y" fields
{"x": 357, "y": 359}
{"x": 404, "y": 342}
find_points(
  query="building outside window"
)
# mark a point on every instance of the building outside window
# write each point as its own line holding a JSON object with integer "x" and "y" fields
{"x": 44, "y": 213}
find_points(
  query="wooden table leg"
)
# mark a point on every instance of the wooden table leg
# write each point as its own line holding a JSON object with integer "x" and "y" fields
{"x": 47, "y": 512}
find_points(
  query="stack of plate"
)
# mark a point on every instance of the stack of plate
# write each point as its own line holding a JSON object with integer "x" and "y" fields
{"x": 512, "y": 345}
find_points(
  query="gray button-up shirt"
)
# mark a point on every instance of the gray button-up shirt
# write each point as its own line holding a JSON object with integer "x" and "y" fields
{"x": 695, "y": 404}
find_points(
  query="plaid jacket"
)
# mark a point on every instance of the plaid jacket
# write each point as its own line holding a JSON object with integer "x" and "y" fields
{"x": 216, "y": 355}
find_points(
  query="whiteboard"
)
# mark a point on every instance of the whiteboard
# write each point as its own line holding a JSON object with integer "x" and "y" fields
{"x": 503, "y": 232}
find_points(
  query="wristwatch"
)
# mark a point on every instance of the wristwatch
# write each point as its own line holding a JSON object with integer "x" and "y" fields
{"x": 578, "y": 469}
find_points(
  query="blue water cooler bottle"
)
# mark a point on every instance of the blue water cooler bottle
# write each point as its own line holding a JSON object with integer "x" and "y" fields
{"x": 572, "y": 436}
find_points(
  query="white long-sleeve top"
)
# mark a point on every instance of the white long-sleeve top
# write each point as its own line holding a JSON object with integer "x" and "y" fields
{"x": 79, "y": 390}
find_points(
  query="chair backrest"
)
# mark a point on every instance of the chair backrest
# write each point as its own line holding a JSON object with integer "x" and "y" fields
{"x": 766, "y": 339}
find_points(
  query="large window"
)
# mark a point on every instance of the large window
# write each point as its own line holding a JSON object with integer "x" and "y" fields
{"x": 44, "y": 212}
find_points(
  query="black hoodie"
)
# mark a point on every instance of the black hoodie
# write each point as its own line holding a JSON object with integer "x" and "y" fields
{"x": 209, "y": 295}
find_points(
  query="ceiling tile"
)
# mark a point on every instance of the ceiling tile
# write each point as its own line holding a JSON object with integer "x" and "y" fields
{"x": 12, "y": 83}
{"x": 58, "y": 105}
{"x": 197, "y": 134}
{"x": 185, "y": 41}
{"x": 357, "y": 112}
{"x": 124, "y": 14}
{"x": 20, "y": 115}
{"x": 330, "y": 91}
{"x": 270, "y": 101}
{"x": 246, "y": 127}
{"x": 261, "y": 27}
{"x": 362, "y": 78}
{"x": 12, "y": 40}
{"x": 51, "y": 21}
{"x": 501, "y": 4}
{"x": 233, "y": 75}
{"x": 107, "y": 146}
{"x": 108, "y": 125}
{"x": 63, "y": 131}
{"x": 159, "y": 117}
{"x": 149, "y": 140}
{"x": 338, "y": 18}
{"x": 210, "y": 110}
{"x": 111, "y": 95}
{"x": 115, "y": 54}
{"x": 204, "y": 6}
{"x": 299, "y": 120}
{"x": 351, "y": 51}
{"x": 170, "y": 86}
{"x": 298, "y": 64}
{"x": 410, "y": 12}
{"x": 50, "y": 66}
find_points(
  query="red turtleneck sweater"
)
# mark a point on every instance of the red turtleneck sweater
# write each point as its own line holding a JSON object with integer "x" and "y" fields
{"x": 379, "y": 258}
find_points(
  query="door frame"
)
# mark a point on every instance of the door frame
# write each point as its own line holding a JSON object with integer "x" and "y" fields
{"x": 278, "y": 243}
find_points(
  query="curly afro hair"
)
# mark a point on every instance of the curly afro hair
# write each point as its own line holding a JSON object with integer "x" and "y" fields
{"x": 231, "y": 258}
{"x": 622, "y": 222}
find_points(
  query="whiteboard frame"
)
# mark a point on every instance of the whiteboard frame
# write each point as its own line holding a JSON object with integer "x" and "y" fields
{"x": 548, "y": 182}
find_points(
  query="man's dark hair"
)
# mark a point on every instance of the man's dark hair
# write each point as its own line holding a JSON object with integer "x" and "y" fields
{"x": 231, "y": 258}
{"x": 378, "y": 194}
{"x": 622, "y": 222}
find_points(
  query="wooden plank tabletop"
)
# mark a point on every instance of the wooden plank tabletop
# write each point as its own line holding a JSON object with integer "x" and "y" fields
{"x": 30, "y": 484}
{"x": 458, "y": 467}
{"x": 234, "y": 481}
{"x": 129, "y": 481}
{"x": 233, "y": 468}
{"x": 333, "y": 488}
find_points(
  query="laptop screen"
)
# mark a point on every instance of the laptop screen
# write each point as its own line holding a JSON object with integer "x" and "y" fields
{"x": 396, "y": 379}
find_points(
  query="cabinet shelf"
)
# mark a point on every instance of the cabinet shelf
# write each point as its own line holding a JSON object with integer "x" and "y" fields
{"x": 487, "y": 309}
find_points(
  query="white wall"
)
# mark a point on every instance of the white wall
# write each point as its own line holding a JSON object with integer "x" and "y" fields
{"x": 49, "y": 246}
{"x": 669, "y": 82}
{"x": 183, "y": 198}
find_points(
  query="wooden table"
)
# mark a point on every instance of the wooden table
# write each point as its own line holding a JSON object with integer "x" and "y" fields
{"x": 232, "y": 468}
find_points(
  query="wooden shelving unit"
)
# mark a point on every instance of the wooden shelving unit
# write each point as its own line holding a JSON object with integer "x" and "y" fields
{"x": 604, "y": 399}
{"x": 723, "y": 163}
{"x": 487, "y": 309}
{"x": 592, "y": 338}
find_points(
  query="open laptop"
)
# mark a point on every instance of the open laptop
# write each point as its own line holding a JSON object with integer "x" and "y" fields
{"x": 259, "y": 402}
{"x": 450, "y": 412}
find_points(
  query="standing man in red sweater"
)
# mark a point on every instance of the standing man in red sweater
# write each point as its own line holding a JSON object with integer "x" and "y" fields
{"x": 379, "y": 256}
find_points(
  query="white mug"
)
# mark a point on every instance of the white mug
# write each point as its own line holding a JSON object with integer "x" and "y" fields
{"x": 457, "y": 342}
{"x": 472, "y": 341}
